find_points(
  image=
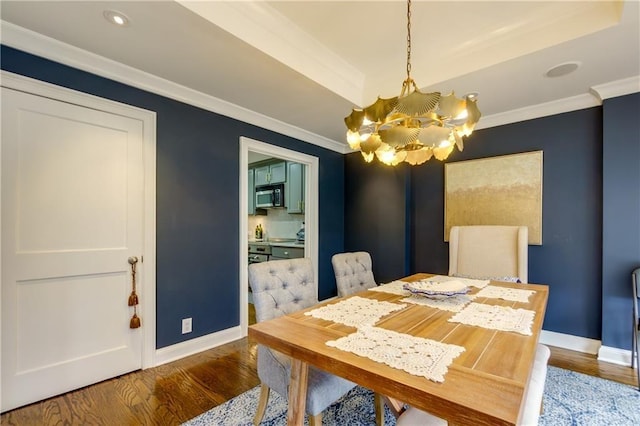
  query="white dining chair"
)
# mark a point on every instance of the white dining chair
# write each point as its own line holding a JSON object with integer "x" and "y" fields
{"x": 532, "y": 398}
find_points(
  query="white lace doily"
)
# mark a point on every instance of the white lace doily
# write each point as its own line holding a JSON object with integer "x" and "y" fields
{"x": 467, "y": 281}
{"x": 451, "y": 304}
{"x": 394, "y": 287}
{"x": 355, "y": 311}
{"x": 415, "y": 355}
{"x": 495, "y": 317}
{"x": 511, "y": 294}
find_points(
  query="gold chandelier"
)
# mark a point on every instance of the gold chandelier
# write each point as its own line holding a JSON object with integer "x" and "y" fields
{"x": 414, "y": 126}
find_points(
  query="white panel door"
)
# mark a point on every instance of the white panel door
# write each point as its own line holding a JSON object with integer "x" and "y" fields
{"x": 72, "y": 214}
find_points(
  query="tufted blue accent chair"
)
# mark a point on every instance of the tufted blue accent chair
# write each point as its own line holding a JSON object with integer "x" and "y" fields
{"x": 281, "y": 287}
{"x": 353, "y": 272}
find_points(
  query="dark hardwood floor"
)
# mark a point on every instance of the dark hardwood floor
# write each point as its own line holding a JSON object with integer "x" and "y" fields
{"x": 173, "y": 393}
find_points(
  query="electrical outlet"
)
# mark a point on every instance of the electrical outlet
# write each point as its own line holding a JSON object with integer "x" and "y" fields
{"x": 186, "y": 325}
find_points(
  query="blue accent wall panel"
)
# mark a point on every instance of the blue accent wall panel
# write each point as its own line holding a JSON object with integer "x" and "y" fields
{"x": 621, "y": 216}
{"x": 197, "y": 200}
{"x": 376, "y": 206}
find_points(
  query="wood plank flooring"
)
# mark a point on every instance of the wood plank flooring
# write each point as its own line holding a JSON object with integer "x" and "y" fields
{"x": 176, "y": 392}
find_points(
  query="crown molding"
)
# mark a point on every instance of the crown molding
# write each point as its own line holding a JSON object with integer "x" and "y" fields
{"x": 37, "y": 44}
{"x": 617, "y": 88}
{"x": 546, "y": 109}
{"x": 46, "y": 47}
{"x": 264, "y": 28}
{"x": 595, "y": 97}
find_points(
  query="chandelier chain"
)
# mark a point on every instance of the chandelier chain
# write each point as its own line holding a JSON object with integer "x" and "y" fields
{"x": 408, "y": 39}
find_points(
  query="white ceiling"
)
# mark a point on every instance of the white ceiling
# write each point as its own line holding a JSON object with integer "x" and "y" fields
{"x": 307, "y": 63}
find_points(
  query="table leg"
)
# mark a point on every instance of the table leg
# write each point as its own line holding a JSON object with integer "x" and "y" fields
{"x": 297, "y": 392}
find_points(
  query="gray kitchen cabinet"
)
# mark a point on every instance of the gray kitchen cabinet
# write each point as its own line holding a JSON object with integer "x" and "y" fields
{"x": 294, "y": 198}
{"x": 278, "y": 252}
{"x": 251, "y": 195}
{"x": 271, "y": 174}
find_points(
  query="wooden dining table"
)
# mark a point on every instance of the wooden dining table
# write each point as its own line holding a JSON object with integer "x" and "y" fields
{"x": 484, "y": 385}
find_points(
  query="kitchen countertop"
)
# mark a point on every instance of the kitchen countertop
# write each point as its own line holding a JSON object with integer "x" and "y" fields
{"x": 287, "y": 244}
{"x": 279, "y": 242}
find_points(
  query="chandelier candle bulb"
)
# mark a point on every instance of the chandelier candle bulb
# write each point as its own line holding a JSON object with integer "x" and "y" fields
{"x": 414, "y": 126}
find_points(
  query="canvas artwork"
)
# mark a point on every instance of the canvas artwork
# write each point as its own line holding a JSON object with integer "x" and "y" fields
{"x": 504, "y": 190}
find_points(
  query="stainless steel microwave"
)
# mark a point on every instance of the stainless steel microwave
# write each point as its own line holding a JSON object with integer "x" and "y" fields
{"x": 269, "y": 197}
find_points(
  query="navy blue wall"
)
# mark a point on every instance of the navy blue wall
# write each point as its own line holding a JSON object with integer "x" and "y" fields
{"x": 377, "y": 215}
{"x": 590, "y": 293}
{"x": 395, "y": 213}
{"x": 197, "y": 200}
{"x": 569, "y": 258}
{"x": 621, "y": 216}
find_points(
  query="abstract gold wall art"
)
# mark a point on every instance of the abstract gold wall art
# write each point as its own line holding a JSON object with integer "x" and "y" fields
{"x": 504, "y": 190}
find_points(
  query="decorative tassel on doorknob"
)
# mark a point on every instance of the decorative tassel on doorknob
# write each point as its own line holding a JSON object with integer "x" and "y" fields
{"x": 133, "y": 297}
{"x": 135, "y": 320}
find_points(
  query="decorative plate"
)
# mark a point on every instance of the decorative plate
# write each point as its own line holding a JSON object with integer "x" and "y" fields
{"x": 437, "y": 289}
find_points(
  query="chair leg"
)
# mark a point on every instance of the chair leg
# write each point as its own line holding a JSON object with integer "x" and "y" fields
{"x": 634, "y": 342}
{"x": 262, "y": 404}
{"x": 378, "y": 403}
{"x": 637, "y": 334}
{"x": 396, "y": 406}
{"x": 315, "y": 420}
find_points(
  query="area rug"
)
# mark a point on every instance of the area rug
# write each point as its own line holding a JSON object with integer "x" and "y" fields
{"x": 570, "y": 398}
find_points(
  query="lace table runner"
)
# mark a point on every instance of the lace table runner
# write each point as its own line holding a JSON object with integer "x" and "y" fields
{"x": 495, "y": 317}
{"x": 511, "y": 294}
{"x": 394, "y": 287}
{"x": 468, "y": 281}
{"x": 451, "y": 304}
{"x": 355, "y": 311}
{"x": 415, "y": 355}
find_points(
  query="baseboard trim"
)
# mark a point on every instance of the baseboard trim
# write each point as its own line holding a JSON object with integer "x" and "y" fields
{"x": 614, "y": 355}
{"x": 199, "y": 344}
{"x": 588, "y": 346}
{"x": 567, "y": 341}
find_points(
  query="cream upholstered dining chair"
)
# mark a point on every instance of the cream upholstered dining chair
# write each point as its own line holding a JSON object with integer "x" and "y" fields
{"x": 353, "y": 272}
{"x": 489, "y": 252}
{"x": 281, "y": 287}
{"x": 532, "y": 398}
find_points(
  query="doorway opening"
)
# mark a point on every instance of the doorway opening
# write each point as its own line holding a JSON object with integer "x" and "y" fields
{"x": 257, "y": 150}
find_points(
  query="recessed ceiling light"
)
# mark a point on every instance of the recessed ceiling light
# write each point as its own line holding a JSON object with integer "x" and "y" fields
{"x": 562, "y": 69}
{"x": 116, "y": 18}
